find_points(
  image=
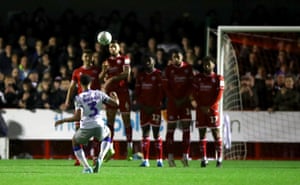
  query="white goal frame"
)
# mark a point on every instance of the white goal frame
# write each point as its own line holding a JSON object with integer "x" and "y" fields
{"x": 222, "y": 30}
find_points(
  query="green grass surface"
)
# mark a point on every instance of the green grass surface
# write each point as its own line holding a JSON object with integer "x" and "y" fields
{"x": 115, "y": 172}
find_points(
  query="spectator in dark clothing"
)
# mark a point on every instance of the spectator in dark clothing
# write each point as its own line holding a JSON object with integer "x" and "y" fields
{"x": 57, "y": 95}
{"x": 270, "y": 91}
{"x": 260, "y": 87}
{"x": 287, "y": 98}
{"x": 10, "y": 92}
{"x": 43, "y": 100}
{"x": 248, "y": 94}
{"x": 28, "y": 95}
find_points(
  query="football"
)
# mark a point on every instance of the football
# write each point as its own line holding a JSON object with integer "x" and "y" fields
{"x": 104, "y": 37}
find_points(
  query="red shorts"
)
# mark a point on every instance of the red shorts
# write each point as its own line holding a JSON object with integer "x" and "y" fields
{"x": 207, "y": 120}
{"x": 178, "y": 113}
{"x": 124, "y": 99}
{"x": 153, "y": 119}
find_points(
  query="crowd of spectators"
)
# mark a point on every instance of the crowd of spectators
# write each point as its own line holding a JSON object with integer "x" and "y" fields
{"x": 38, "y": 54}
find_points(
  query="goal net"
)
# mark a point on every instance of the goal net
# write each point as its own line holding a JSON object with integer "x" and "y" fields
{"x": 235, "y": 47}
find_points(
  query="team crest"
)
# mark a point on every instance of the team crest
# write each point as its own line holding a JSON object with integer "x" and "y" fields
{"x": 119, "y": 61}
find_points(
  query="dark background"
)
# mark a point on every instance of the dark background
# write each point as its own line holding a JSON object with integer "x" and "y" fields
{"x": 169, "y": 8}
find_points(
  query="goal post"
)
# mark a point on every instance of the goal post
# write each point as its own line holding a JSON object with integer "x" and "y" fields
{"x": 226, "y": 54}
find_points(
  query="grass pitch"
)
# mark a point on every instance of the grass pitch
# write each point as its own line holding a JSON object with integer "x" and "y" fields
{"x": 121, "y": 172}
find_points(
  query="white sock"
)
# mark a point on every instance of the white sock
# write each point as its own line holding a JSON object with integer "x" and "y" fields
{"x": 105, "y": 146}
{"x": 111, "y": 145}
{"x": 170, "y": 156}
{"x": 129, "y": 145}
{"x": 185, "y": 156}
{"x": 81, "y": 157}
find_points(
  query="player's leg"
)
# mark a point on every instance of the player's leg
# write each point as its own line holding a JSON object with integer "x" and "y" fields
{"x": 158, "y": 146}
{"x": 146, "y": 145}
{"x": 128, "y": 130}
{"x": 81, "y": 137}
{"x": 77, "y": 162}
{"x": 203, "y": 143}
{"x": 125, "y": 108}
{"x": 185, "y": 115}
{"x": 105, "y": 137}
{"x": 171, "y": 126}
{"x": 172, "y": 118}
{"x": 95, "y": 145}
{"x": 185, "y": 126}
{"x": 218, "y": 145}
{"x": 110, "y": 115}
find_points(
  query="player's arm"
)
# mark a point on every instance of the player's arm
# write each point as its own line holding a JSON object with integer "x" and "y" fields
{"x": 76, "y": 117}
{"x": 125, "y": 75}
{"x": 70, "y": 93}
{"x": 219, "y": 91}
{"x": 103, "y": 72}
{"x": 113, "y": 100}
{"x": 115, "y": 79}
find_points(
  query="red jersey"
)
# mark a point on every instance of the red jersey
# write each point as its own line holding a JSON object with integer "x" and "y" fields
{"x": 208, "y": 90}
{"x": 93, "y": 72}
{"x": 115, "y": 67}
{"x": 148, "y": 88}
{"x": 178, "y": 80}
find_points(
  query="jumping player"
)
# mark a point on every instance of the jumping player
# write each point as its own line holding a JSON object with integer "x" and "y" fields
{"x": 115, "y": 74}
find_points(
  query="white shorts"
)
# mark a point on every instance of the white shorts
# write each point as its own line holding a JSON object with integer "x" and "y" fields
{"x": 82, "y": 136}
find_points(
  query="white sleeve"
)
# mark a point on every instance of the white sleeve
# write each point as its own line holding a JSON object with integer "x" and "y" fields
{"x": 77, "y": 103}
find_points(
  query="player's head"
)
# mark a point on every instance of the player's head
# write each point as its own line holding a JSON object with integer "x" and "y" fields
{"x": 85, "y": 80}
{"x": 149, "y": 62}
{"x": 208, "y": 64}
{"x": 114, "y": 48}
{"x": 176, "y": 57}
{"x": 87, "y": 57}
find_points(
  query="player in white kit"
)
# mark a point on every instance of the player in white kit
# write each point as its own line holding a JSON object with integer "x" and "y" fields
{"x": 88, "y": 105}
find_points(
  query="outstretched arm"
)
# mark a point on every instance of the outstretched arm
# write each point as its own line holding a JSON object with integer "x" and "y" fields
{"x": 76, "y": 117}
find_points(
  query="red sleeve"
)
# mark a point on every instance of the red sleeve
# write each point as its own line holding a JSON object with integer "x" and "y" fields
{"x": 219, "y": 90}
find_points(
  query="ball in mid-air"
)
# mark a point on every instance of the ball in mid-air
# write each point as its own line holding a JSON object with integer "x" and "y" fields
{"x": 104, "y": 37}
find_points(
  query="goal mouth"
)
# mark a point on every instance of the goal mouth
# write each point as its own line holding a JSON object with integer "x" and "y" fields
{"x": 270, "y": 46}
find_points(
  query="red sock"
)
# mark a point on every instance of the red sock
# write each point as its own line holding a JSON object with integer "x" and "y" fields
{"x": 129, "y": 134}
{"x": 186, "y": 141}
{"x": 203, "y": 143}
{"x": 146, "y": 147}
{"x": 170, "y": 141}
{"x": 159, "y": 148}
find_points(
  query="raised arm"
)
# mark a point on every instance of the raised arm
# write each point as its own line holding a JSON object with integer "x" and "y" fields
{"x": 70, "y": 93}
